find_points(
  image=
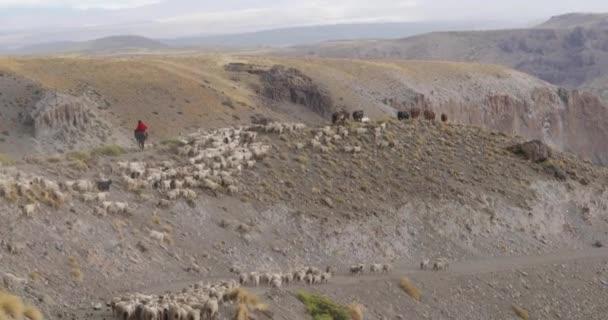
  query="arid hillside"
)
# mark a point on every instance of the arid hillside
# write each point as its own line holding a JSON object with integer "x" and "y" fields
{"x": 59, "y": 104}
{"x": 215, "y": 205}
{"x": 566, "y": 51}
{"x": 576, "y": 20}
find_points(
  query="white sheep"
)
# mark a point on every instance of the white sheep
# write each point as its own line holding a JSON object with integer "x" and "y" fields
{"x": 29, "y": 209}
{"x": 121, "y": 207}
{"x": 255, "y": 279}
{"x": 374, "y": 268}
{"x": 325, "y": 277}
{"x": 83, "y": 186}
{"x": 424, "y": 264}
{"x": 441, "y": 264}
{"x": 102, "y": 196}
{"x": 173, "y": 194}
{"x": 193, "y": 314}
{"x": 387, "y": 268}
{"x": 89, "y": 197}
{"x": 157, "y": 235}
{"x": 188, "y": 194}
{"x": 211, "y": 309}
{"x": 243, "y": 279}
{"x": 276, "y": 282}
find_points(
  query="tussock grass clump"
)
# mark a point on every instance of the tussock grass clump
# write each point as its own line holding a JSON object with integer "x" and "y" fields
{"x": 11, "y": 305}
{"x": 75, "y": 269}
{"x": 520, "y": 312}
{"x": 246, "y": 301}
{"x": 172, "y": 145}
{"x": 32, "y": 313}
{"x": 109, "y": 151}
{"x": 322, "y": 308}
{"x": 80, "y": 156}
{"x": 356, "y": 311}
{"x": 409, "y": 288}
{"x": 242, "y": 313}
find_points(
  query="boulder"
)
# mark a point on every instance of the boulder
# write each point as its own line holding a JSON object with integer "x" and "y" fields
{"x": 535, "y": 150}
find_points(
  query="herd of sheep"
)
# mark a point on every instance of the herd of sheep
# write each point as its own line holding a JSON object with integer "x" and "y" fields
{"x": 307, "y": 275}
{"x": 202, "y": 302}
{"x": 214, "y": 160}
{"x": 197, "y": 302}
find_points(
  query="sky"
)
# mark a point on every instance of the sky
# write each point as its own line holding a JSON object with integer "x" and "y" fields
{"x": 25, "y": 21}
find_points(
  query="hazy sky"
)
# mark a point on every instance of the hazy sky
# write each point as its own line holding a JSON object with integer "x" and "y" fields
{"x": 81, "y": 19}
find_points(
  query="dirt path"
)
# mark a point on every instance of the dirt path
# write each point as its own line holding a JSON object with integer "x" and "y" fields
{"x": 456, "y": 269}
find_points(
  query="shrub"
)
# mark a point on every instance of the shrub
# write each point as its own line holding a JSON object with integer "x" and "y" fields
{"x": 79, "y": 156}
{"x": 409, "y": 288}
{"x": 11, "y": 305}
{"x": 242, "y": 312}
{"x": 322, "y": 308}
{"x": 521, "y": 312}
{"x": 109, "y": 151}
{"x": 32, "y": 313}
{"x": 356, "y": 311}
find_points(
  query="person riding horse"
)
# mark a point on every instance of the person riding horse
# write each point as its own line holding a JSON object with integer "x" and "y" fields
{"x": 141, "y": 133}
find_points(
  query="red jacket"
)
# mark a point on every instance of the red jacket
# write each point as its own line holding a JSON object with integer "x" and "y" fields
{"x": 141, "y": 127}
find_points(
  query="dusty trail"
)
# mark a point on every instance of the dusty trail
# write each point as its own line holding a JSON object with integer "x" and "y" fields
{"x": 456, "y": 269}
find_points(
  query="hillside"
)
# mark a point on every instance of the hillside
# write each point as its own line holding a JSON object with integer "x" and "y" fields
{"x": 577, "y": 20}
{"x": 98, "y": 46}
{"x": 321, "y": 33}
{"x": 576, "y": 57}
{"x": 410, "y": 191}
{"x": 174, "y": 95}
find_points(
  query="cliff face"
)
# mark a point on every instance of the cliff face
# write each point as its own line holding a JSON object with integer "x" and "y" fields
{"x": 569, "y": 120}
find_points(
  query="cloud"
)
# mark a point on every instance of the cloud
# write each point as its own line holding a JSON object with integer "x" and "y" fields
{"x": 76, "y": 4}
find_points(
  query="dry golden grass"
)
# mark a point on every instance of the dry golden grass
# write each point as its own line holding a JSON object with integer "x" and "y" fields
{"x": 3, "y": 316}
{"x": 409, "y": 288}
{"x": 521, "y": 312}
{"x": 75, "y": 269}
{"x": 32, "y": 313}
{"x": 11, "y": 305}
{"x": 242, "y": 312}
{"x": 35, "y": 276}
{"x": 356, "y": 311}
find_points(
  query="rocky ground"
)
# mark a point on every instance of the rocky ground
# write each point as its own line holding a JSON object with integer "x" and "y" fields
{"x": 515, "y": 232}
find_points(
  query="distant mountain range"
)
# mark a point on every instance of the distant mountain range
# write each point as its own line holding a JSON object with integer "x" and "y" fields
{"x": 315, "y": 34}
{"x": 569, "y": 50}
{"x": 574, "y": 20}
{"x": 103, "y": 45}
{"x": 260, "y": 39}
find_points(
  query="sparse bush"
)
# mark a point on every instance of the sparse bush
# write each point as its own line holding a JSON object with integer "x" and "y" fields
{"x": 356, "y": 311}
{"x": 322, "y": 308}
{"x": 242, "y": 313}
{"x": 521, "y": 312}
{"x": 32, "y": 313}
{"x": 79, "y": 156}
{"x": 75, "y": 269}
{"x": 172, "y": 142}
{"x": 109, "y": 151}
{"x": 409, "y": 288}
{"x": 11, "y": 305}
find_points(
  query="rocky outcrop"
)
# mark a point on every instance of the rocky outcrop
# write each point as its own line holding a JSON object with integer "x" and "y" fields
{"x": 57, "y": 113}
{"x": 60, "y": 120}
{"x": 282, "y": 84}
{"x": 535, "y": 150}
